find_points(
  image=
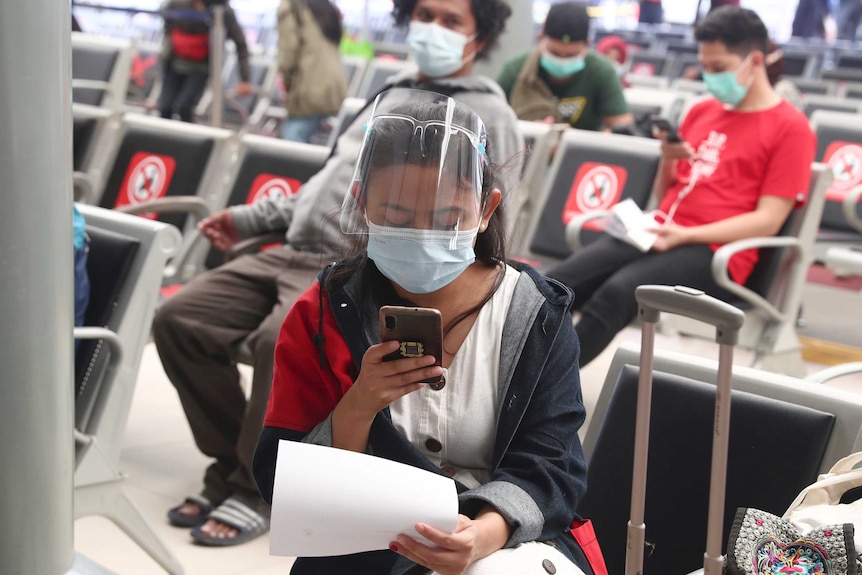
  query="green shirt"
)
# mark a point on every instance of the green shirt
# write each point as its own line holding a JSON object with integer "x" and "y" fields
{"x": 585, "y": 100}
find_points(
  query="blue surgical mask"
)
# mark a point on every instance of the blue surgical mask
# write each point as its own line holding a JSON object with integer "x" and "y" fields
{"x": 420, "y": 261}
{"x": 562, "y": 67}
{"x": 438, "y": 51}
{"x": 725, "y": 87}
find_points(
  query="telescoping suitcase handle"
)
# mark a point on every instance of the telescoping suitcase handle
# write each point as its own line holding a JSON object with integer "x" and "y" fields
{"x": 727, "y": 319}
{"x": 680, "y": 300}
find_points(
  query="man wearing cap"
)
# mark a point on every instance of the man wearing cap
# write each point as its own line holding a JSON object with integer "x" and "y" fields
{"x": 561, "y": 80}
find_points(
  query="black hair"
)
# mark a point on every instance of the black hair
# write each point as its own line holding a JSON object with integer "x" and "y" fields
{"x": 328, "y": 17}
{"x": 775, "y": 70}
{"x": 490, "y": 15}
{"x": 740, "y": 29}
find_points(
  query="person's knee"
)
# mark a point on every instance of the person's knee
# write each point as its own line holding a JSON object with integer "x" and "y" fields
{"x": 168, "y": 321}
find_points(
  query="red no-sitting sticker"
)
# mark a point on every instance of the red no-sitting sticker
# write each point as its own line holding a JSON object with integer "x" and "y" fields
{"x": 845, "y": 159}
{"x": 147, "y": 178}
{"x": 596, "y": 187}
{"x": 272, "y": 186}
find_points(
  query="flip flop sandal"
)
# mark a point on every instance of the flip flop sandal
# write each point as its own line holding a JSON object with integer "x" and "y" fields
{"x": 178, "y": 519}
{"x": 233, "y": 513}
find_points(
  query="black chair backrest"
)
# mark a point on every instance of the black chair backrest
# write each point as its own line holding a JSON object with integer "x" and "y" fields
{"x": 271, "y": 170}
{"x": 771, "y": 260}
{"x": 83, "y": 130}
{"x": 819, "y": 87}
{"x": 841, "y": 149}
{"x": 257, "y": 76}
{"x": 847, "y": 60}
{"x": 682, "y": 48}
{"x": 92, "y": 63}
{"x": 155, "y": 162}
{"x": 590, "y": 179}
{"x": 799, "y": 64}
{"x": 108, "y": 268}
{"x": 853, "y": 91}
{"x": 683, "y": 62}
{"x": 145, "y": 70}
{"x": 766, "y": 468}
{"x": 649, "y": 64}
{"x": 830, "y": 105}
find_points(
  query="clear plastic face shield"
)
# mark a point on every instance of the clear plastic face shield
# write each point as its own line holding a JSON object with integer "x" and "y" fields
{"x": 420, "y": 168}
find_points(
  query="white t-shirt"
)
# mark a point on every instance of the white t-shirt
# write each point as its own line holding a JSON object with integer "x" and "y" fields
{"x": 455, "y": 426}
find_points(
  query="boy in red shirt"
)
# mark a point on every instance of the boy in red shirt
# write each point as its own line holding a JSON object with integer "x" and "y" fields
{"x": 744, "y": 164}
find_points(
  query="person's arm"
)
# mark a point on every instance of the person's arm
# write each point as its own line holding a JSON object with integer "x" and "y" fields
{"x": 263, "y": 216}
{"x": 613, "y": 107}
{"x": 288, "y": 41}
{"x": 236, "y": 34}
{"x": 765, "y": 220}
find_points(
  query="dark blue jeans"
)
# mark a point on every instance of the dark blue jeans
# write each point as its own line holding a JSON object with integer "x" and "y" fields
{"x": 604, "y": 276}
{"x": 82, "y": 286}
{"x": 180, "y": 92}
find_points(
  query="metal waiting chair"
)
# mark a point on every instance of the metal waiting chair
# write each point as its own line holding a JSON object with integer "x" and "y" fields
{"x": 819, "y": 425}
{"x": 354, "y": 71}
{"x": 145, "y": 78}
{"x": 126, "y": 263}
{"x": 378, "y": 71}
{"x": 772, "y": 296}
{"x": 646, "y": 102}
{"x": 540, "y": 141}
{"x": 100, "y": 70}
{"x": 839, "y": 144}
{"x": 89, "y": 127}
{"x": 268, "y": 168}
{"x": 813, "y": 102}
{"x": 170, "y": 171}
{"x": 591, "y": 172}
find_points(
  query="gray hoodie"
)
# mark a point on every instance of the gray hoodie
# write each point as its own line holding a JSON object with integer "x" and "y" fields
{"x": 311, "y": 216}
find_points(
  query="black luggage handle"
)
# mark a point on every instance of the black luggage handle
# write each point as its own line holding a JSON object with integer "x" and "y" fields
{"x": 688, "y": 302}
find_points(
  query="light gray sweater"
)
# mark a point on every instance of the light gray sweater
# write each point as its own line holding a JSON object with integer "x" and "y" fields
{"x": 311, "y": 217}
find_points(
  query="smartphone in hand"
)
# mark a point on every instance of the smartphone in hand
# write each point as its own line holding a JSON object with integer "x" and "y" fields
{"x": 664, "y": 125}
{"x": 419, "y": 330}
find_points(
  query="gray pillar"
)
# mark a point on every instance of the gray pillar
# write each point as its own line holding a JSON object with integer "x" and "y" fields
{"x": 217, "y": 39}
{"x": 519, "y": 37}
{"x": 36, "y": 309}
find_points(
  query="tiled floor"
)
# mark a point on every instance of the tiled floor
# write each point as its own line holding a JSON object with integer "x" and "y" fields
{"x": 163, "y": 466}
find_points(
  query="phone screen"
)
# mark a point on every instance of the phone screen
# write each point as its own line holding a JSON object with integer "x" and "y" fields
{"x": 418, "y": 330}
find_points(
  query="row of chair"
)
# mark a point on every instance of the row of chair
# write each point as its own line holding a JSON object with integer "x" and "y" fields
{"x": 120, "y": 75}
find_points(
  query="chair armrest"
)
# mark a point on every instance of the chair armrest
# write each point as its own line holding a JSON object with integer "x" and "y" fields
{"x": 115, "y": 344}
{"x": 82, "y": 188}
{"x": 175, "y": 205}
{"x": 849, "y": 207}
{"x": 576, "y": 225}
{"x": 844, "y": 258}
{"x": 721, "y": 274}
{"x": 91, "y": 85}
{"x": 253, "y": 244}
{"x": 834, "y": 372}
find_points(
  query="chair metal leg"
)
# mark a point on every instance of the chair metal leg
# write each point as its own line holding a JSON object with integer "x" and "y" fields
{"x": 110, "y": 501}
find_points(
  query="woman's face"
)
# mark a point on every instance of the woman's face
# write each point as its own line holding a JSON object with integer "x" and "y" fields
{"x": 418, "y": 197}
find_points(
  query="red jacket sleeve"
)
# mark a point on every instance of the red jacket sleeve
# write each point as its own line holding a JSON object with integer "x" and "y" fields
{"x": 304, "y": 393}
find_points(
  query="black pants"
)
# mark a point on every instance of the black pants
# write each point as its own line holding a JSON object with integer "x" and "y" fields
{"x": 196, "y": 332}
{"x": 604, "y": 276}
{"x": 651, "y": 13}
{"x": 180, "y": 92}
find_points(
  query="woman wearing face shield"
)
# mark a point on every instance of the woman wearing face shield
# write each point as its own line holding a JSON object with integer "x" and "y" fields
{"x": 428, "y": 227}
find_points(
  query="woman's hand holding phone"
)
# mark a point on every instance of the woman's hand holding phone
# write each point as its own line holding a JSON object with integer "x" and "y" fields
{"x": 382, "y": 382}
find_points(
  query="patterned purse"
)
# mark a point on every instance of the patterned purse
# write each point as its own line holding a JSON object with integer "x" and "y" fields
{"x": 761, "y": 543}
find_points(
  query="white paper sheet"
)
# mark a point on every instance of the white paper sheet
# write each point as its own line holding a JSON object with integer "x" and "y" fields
{"x": 329, "y": 501}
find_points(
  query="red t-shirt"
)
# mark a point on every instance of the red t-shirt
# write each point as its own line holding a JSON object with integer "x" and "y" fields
{"x": 739, "y": 157}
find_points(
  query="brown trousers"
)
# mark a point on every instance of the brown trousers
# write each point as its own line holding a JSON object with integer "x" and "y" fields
{"x": 197, "y": 333}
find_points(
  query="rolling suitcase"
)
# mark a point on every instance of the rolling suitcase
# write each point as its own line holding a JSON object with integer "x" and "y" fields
{"x": 727, "y": 319}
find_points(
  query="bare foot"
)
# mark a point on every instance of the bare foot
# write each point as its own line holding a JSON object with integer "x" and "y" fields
{"x": 191, "y": 509}
{"x": 218, "y": 529}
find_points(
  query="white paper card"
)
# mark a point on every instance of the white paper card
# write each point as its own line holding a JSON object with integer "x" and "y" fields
{"x": 631, "y": 224}
{"x": 329, "y": 501}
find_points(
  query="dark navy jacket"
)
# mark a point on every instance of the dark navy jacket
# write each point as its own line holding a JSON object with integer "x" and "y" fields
{"x": 538, "y": 469}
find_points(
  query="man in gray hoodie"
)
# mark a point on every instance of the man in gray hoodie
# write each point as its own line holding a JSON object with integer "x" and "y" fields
{"x": 197, "y": 331}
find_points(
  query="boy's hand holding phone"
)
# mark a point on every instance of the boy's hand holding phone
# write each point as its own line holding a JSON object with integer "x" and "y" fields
{"x": 673, "y": 147}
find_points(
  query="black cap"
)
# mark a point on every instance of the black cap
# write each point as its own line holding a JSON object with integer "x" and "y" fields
{"x": 567, "y": 22}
